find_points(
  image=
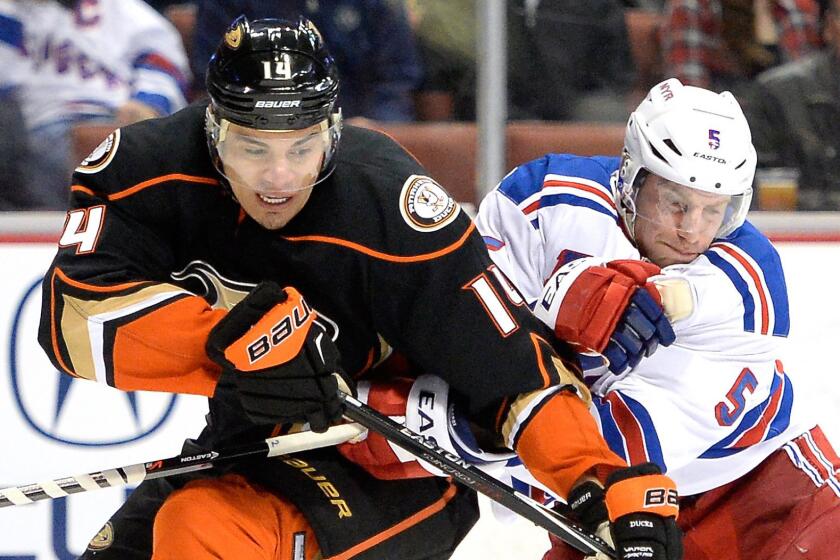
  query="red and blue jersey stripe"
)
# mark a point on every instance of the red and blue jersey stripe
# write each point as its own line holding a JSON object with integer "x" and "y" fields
{"x": 156, "y": 62}
{"x": 492, "y": 243}
{"x": 11, "y": 32}
{"x": 629, "y": 430}
{"x": 753, "y": 266}
{"x": 563, "y": 179}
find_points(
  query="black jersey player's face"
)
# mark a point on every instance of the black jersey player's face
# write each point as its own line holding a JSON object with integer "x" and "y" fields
{"x": 272, "y": 173}
{"x": 675, "y": 224}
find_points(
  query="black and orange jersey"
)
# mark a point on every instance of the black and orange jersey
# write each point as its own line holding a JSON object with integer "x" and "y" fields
{"x": 155, "y": 249}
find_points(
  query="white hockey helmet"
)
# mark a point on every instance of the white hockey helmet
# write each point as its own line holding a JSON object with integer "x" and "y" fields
{"x": 693, "y": 137}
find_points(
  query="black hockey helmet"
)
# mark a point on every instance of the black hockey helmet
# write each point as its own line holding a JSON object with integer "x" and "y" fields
{"x": 272, "y": 75}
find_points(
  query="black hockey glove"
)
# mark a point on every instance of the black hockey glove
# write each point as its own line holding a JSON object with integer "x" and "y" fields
{"x": 284, "y": 362}
{"x": 639, "y": 505}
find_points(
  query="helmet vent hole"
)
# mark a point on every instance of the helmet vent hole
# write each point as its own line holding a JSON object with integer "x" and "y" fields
{"x": 656, "y": 152}
{"x": 717, "y": 185}
{"x": 668, "y": 142}
{"x": 692, "y": 179}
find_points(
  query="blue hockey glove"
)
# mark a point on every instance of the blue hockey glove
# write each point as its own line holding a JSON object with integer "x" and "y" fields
{"x": 639, "y": 332}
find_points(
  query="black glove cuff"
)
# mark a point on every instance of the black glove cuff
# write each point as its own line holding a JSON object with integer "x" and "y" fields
{"x": 587, "y": 502}
{"x": 642, "y": 469}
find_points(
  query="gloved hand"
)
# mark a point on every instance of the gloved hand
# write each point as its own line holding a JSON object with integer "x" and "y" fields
{"x": 283, "y": 361}
{"x": 420, "y": 405}
{"x": 608, "y": 308}
{"x": 637, "y": 512}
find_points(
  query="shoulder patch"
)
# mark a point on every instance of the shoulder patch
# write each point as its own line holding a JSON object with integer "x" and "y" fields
{"x": 425, "y": 205}
{"x": 102, "y": 155}
{"x": 103, "y": 539}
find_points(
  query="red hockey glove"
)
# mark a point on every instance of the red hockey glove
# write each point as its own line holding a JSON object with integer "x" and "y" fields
{"x": 421, "y": 406}
{"x": 639, "y": 507}
{"x": 601, "y": 308}
{"x": 284, "y": 362}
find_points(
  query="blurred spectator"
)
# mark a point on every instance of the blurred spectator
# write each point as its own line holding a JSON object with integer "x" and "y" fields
{"x": 163, "y": 5}
{"x": 566, "y": 59}
{"x": 84, "y": 61}
{"x": 181, "y": 13}
{"x": 371, "y": 41}
{"x": 651, "y": 5}
{"x": 796, "y": 119}
{"x": 14, "y": 194}
{"x": 723, "y": 44}
{"x": 446, "y": 42}
{"x": 569, "y": 60}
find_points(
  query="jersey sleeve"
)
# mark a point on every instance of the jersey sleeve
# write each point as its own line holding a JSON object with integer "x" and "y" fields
{"x": 514, "y": 243}
{"x": 542, "y": 215}
{"x": 683, "y": 407}
{"x": 160, "y": 73}
{"x": 458, "y": 319}
{"x": 440, "y": 302}
{"x": 738, "y": 285}
{"x": 110, "y": 312}
{"x": 438, "y": 299}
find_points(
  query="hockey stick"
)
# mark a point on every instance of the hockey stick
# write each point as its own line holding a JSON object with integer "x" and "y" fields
{"x": 472, "y": 477}
{"x": 121, "y": 476}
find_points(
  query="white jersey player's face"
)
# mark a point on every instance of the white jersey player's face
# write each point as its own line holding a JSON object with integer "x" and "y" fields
{"x": 272, "y": 172}
{"x": 674, "y": 223}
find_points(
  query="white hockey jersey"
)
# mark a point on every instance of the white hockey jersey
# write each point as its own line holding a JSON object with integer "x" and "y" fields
{"x": 69, "y": 64}
{"x": 708, "y": 408}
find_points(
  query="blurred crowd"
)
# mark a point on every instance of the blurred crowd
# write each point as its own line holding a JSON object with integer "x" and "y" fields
{"x": 71, "y": 66}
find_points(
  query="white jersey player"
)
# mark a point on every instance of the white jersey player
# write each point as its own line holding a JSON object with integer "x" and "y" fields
{"x": 717, "y": 403}
{"x": 583, "y": 239}
{"x": 85, "y": 60}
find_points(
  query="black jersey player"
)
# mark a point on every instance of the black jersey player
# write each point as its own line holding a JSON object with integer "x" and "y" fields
{"x": 168, "y": 277}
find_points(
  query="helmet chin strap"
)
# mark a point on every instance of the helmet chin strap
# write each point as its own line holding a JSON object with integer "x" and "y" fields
{"x": 628, "y": 225}
{"x": 626, "y": 206}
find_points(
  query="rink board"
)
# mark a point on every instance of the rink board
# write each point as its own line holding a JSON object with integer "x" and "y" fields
{"x": 54, "y": 426}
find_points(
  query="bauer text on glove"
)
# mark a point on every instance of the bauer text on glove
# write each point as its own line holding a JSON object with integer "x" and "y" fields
{"x": 283, "y": 361}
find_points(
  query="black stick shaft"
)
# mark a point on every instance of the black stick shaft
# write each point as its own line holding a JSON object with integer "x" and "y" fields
{"x": 472, "y": 477}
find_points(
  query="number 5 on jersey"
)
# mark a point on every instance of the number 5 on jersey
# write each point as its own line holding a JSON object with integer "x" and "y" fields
{"x": 82, "y": 229}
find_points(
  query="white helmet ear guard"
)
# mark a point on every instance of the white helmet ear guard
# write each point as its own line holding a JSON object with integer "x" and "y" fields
{"x": 695, "y": 138}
